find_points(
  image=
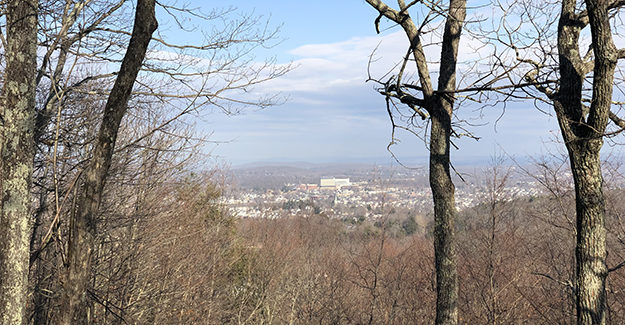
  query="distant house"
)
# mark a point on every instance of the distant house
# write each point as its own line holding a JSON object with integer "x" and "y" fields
{"x": 307, "y": 187}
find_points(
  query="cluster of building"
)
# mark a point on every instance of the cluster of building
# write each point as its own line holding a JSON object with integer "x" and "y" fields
{"x": 341, "y": 198}
{"x": 325, "y": 184}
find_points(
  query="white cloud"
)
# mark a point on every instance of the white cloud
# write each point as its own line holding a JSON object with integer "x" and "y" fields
{"x": 333, "y": 112}
{"x": 344, "y": 65}
{"x": 320, "y": 67}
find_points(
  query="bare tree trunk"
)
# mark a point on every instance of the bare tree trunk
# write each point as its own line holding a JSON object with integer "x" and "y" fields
{"x": 590, "y": 250}
{"x": 586, "y": 165}
{"x": 17, "y": 151}
{"x": 583, "y": 133}
{"x": 83, "y": 228}
{"x": 440, "y": 106}
{"x": 440, "y": 178}
{"x": 444, "y": 219}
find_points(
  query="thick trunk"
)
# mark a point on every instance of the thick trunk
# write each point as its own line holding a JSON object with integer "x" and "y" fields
{"x": 444, "y": 219}
{"x": 584, "y": 140}
{"x": 583, "y": 135}
{"x": 16, "y": 157}
{"x": 74, "y": 302}
{"x": 590, "y": 251}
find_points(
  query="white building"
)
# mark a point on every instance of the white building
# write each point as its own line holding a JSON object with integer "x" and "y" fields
{"x": 334, "y": 182}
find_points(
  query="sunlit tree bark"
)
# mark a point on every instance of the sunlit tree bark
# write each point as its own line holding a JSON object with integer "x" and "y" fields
{"x": 583, "y": 126}
{"x": 16, "y": 156}
{"x": 584, "y": 142}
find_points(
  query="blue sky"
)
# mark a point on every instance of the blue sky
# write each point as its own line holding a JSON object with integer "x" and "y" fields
{"x": 331, "y": 114}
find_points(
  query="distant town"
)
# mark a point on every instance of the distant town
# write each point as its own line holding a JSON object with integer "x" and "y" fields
{"x": 360, "y": 193}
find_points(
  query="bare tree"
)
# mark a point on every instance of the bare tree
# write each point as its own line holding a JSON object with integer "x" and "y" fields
{"x": 17, "y": 151}
{"x": 84, "y": 43}
{"x": 578, "y": 83}
{"x": 83, "y": 227}
{"x": 491, "y": 239}
{"x": 584, "y": 141}
{"x": 439, "y": 105}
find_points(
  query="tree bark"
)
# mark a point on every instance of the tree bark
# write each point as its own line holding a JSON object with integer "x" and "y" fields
{"x": 583, "y": 136}
{"x": 590, "y": 250}
{"x": 74, "y": 302}
{"x": 444, "y": 219}
{"x": 440, "y": 177}
{"x": 17, "y": 152}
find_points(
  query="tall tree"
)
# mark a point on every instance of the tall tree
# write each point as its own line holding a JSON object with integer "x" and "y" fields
{"x": 439, "y": 105}
{"x": 17, "y": 151}
{"x": 583, "y": 135}
{"x": 548, "y": 52}
{"x": 82, "y": 45}
{"x": 83, "y": 226}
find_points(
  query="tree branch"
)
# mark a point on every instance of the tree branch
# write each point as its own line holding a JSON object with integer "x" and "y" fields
{"x": 567, "y": 284}
{"x": 617, "y": 267}
{"x": 617, "y": 120}
{"x": 403, "y": 19}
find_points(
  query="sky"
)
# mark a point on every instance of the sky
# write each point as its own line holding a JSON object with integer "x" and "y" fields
{"x": 332, "y": 114}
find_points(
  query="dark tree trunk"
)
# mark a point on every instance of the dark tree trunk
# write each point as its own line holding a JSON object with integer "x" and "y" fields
{"x": 440, "y": 176}
{"x": 439, "y": 105}
{"x": 444, "y": 219}
{"x": 74, "y": 304}
{"x": 16, "y": 157}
